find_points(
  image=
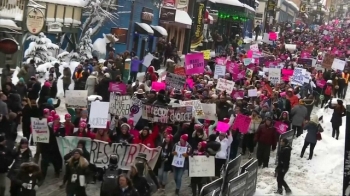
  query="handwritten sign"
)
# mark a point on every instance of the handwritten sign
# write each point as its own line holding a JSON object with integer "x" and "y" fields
{"x": 298, "y": 76}
{"x": 247, "y": 61}
{"x": 180, "y": 71}
{"x": 328, "y": 61}
{"x": 220, "y": 70}
{"x": 155, "y": 113}
{"x": 202, "y": 166}
{"x": 175, "y": 81}
{"x": 275, "y": 75}
{"x": 180, "y": 114}
{"x": 242, "y": 123}
{"x": 225, "y": 85}
{"x": 76, "y": 98}
{"x": 40, "y": 130}
{"x": 338, "y": 64}
{"x": 281, "y": 127}
{"x": 179, "y": 159}
{"x": 98, "y": 114}
{"x": 119, "y": 104}
{"x": 209, "y": 111}
{"x": 195, "y": 104}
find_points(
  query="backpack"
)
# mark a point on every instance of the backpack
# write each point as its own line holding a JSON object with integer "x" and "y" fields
{"x": 328, "y": 90}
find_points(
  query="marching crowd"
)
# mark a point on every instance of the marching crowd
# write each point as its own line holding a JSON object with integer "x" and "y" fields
{"x": 283, "y": 102}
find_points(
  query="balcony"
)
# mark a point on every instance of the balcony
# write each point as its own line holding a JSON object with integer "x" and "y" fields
{"x": 12, "y": 9}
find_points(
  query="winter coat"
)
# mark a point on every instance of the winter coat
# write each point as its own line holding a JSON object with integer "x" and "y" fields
{"x": 50, "y": 149}
{"x": 30, "y": 179}
{"x": 298, "y": 114}
{"x": 19, "y": 158}
{"x": 254, "y": 124}
{"x": 224, "y": 145}
{"x": 53, "y": 89}
{"x": 294, "y": 100}
{"x": 102, "y": 89}
{"x": 141, "y": 185}
{"x": 5, "y": 158}
{"x": 121, "y": 138}
{"x": 196, "y": 139}
{"x": 284, "y": 158}
{"x": 312, "y": 129}
{"x": 21, "y": 90}
{"x": 338, "y": 113}
{"x": 31, "y": 70}
{"x": 91, "y": 84}
{"x": 189, "y": 149}
{"x": 74, "y": 170}
{"x": 67, "y": 75}
{"x": 23, "y": 73}
{"x": 284, "y": 105}
{"x": 166, "y": 156}
{"x": 213, "y": 146}
{"x": 266, "y": 135}
{"x": 33, "y": 90}
{"x": 44, "y": 95}
{"x": 88, "y": 134}
{"x": 150, "y": 139}
{"x": 130, "y": 191}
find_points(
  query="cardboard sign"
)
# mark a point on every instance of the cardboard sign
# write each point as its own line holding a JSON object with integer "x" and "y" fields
{"x": 76, "y": 98}
{"x": 175, "y": 81}
{"x": 328, "y": 61}
{"x": 119, "y": 104}
{"x": 40, "y": 130}
{"x": 201, "y": 166}
{"x": 225, "y": 85}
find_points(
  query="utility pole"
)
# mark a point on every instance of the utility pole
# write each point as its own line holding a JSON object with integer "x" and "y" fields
{"x": 130, "y": 32}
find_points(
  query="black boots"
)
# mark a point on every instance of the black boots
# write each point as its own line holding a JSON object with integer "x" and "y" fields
{"x": 288, "y": 190}
{"x": 279, "y": 191}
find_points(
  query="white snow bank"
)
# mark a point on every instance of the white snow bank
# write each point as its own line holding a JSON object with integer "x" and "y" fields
{"x": 14, "y": 76}
{"x": 14, "y": 13}
{"x": 8, "y": 23}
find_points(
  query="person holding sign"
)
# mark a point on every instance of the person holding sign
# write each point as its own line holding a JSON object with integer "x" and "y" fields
{"x": 196, "y": 182}
{"x": 283, "y": 166}
{"x": 180, "y": 160}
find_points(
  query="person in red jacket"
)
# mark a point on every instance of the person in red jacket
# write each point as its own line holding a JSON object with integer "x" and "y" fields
{"x": 68, "y": 125}
{"x": 266, "y": 138}
{"x": 294, "y": 100}
{"x": 82, "y": 132}
{"x": 148, "y": 137}
{"x": 151, "y": 74}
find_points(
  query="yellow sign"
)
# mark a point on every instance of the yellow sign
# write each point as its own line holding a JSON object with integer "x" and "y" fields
{"x": 206, "y": 54}
{"x": 303, "y": 8}
{"x": 332, "y": 8}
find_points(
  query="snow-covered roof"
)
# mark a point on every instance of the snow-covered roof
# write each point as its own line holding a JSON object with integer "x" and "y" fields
{"x": 182, "y": 17}
{"x": 76, "y": 3}
{"x": 249, "y": 8}
{"x": 9, "y": 24}
{"x": 291, "y": 3}
{"x": 230, "y": 2}
{"x": 13, "y": 13}
{"x": 146, "y": 27}
{"x": 161, "y": 30}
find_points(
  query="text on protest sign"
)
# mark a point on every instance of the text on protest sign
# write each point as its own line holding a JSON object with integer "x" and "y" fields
{"x": 202, "y": 166}
{"x": 179, "y": 159}
{"x": 155, "y": 113}
{"x": 69, "y": 143}
{"x": 220, "y": 70}
{"x": 40, "y": 130}
{"x": 180, "y": 114}
{"x": 119, "y": 104}
{"x": 298, "y": 76}
{"x": 136, "y": 109}
{"x": 194, "y": 63}
{"x": 101, "y": 151}
{"x": 98, "y": 114}
{"x": 76, "y": 98}
{"x": 175, "y": 81}
{"x": 209, "y": 111}
{"x": 225, "y": 85}
{"x": 196, "y": 104}
{"x": 274, "y": 75}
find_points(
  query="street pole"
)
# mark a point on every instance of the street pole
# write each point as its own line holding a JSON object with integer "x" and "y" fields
{"x": 130, "y": 25}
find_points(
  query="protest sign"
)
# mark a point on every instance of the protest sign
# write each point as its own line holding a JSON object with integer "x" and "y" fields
{"x": 175, "y": 81}
{"x": 212, "y": 188}
{"x": 202, "y": 166}
{"x": 157, "y": 86}
{"x": 117, "y": 88}
{"x": 237, "y": 186}
{"x": 281, "y": 127}
{"x": 100, "y": 153}
{"x": 147, "y": 60}
{"x": 289, "y": 135}
{"x": 247, "y": 61}
{"x": 206, "y": 54}
{"x": 76, "y": 98}
{"x": 251, "y": 167}
{"x": 220, "y": 70}
{"x": 327, "y": 61}
{"x": 298, "y": 76}
{"x": 305, "y": 61}
{"x": 69, "y": 143}
{"x": 222, "y": 127}
{"x": 194, "y": 63}
{"x": 98, "y": 114}
{"x": 273, "y": 36}
{"x": 254, "y": 47}
{"x": 180, "y": 114}
{"x": 135, "y": 109}
{"x": 274, "y": 75}
{"x": 238, "y": 76}
{"x": 307, "y": 77}
{"x": 252, "y": 93}
{"x": 242, "y": 123}
{"x": 225, "y": 85}
{"x": 196, "y": 104}
{"x": 321, "y": 83}
{"x": 180, "y": 71}
{"x": 155, "y": 113}
{"x": 40, "y": 130}
{"x": 338, "y": 64}
{"x": 209, "y": 111}
{"x": 179, "y": 159}
{"x": 119, "y": 104}
{"x": 236, "y": 94}
{"x": 290, "y": 47}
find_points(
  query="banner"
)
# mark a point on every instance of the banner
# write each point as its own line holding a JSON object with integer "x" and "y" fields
{"x": 252, "y": 168}
{"x": 40, "y": 130}
{"x": 209, "y": 111}
{"x": 155, "y": 113}
{"x": 194, "y": 63}
{"x": 213, "y": 188}
{"x": 180, "y": 114}
{"x": 101, "y": 151}
{"x": 136, "y": 109}
{"x": 202, "y": 166}
{"x": 119, "y": 104}
{"x": 117, "y": 88}
{"x": 175, "y": 81}
{"x": 290, "y": 136}
{"x": 237, "y": 186}
{"x": 197, "y": 24}
{"x": 231, "y": 171}
{"x": 76, "y": 98}
{"x": 242, "y": 123}
{"x": 225, "y": 85}
{"x": 99, "y": 114}
{"x": 281, "y": 127}
{"x": 298, "y": 76}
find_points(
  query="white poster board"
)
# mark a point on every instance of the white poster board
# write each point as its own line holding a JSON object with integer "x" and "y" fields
{"x": 338, "y": 64}
{"x": 76, "y": 98}
{"x": 290, "y": 47}
{"x": 275, "y": 75}
{"x": 298, "y": 76}
{"x": 225, "y": 85}
{"x": 179, "y": 159}
{"x": 209, "y": 111}
{"x": 40, "y": 130}
{"x": 252, "y": 93}
{"x": 202, "y": 166}
{"x": 220, "y": 70}
{"x": 98, "y": 114}
{"x": 119, "y": 104}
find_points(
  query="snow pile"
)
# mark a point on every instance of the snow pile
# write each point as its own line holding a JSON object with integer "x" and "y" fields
{"x": 77, "y": 3}
{"x": 15, "y": 13}
{"x": 8, "y": 23}
{"x": 323, "y": 175}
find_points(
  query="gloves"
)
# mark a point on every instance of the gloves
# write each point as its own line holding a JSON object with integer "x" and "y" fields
{"x": 36, "y": 187}
{"x": 25, "y": 185}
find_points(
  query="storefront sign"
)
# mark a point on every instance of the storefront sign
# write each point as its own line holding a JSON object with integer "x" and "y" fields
{"x": 121, "y": 34}
{"x": 182, "y": 4}
{"x": 197, "y": 36}
{"x": 167, "y": 14}
{"x": 8, "y": 46}
{"x": 147, "y": 15}
{"x": 35, "y": 21}
{"x": 169, "y": 3}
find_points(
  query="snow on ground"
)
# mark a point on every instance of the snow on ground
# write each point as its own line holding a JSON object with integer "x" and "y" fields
{"x": 323, "y": 175}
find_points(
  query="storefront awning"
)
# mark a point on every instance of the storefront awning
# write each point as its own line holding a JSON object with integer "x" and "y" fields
{"x": 230, "y": 2}
{"x": 159, "y": 31}
{"x": 143, "y": 28}
{"x": 182, "y": 17}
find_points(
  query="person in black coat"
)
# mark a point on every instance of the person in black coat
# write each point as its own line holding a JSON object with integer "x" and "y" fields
{"x": 102, "y": 87}
{"x": 53, "y": 89}
{"x": 336, "y": 120}
{"x": 5, "y": 162}
{"x": 165, "y": 160}
{"x": 112, "y": 172}
{"x": 26, "y": 115}
{"x": 44, "y": 93}
{"x": 50, "y": 105}
{"x": 33, "y": 88}
{"x": 125, "y": 187}
{"x": 139, "y": 181}
{"x": 29, "y": 178}
{"x": 20, "y": 154}
{"x": 283, "y": 166}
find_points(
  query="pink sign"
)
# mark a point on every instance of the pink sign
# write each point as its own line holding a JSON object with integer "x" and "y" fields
{"x": 222, "y": 127}
{"x": 242, "y": 123}
{"x": 238, "y": 76}
{"x": 220, "y": 61}
{"x": 117, "y": 87}
{"x": 320, "y": 83}
{"x": 194, "y": 63}
{"x": 190, "y": 82}
{"x": 236, "y": 94}
{"x": 272, "y": 36}
{"x": 157, "y": 86}
{"x": 281, "y": 127}
{"x": 287, "y": 72}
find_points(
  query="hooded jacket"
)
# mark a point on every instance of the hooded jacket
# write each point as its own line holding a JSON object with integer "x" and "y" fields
{"x": 151, "y": 75}
{"x": 299, "y": 114}
{"x": 78, "y": 168}
{"x": 284, "y": 158}
{"x": 30, "y": 174}
{"x": 150, "y": 139}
